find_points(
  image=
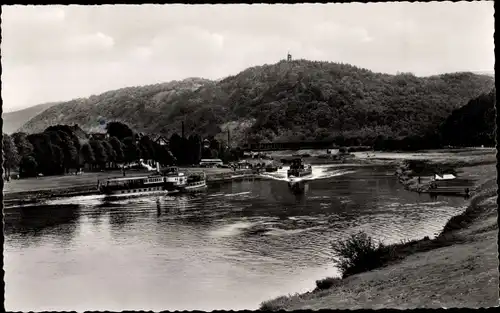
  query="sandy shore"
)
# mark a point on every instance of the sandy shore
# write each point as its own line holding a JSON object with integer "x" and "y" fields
{"x": 463, "y": 274}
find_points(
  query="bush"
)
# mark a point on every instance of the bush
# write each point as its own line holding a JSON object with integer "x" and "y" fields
{"x": 276, "y": 304}
{"x": 359, "y": 254}
{"x": 327, "y": 283}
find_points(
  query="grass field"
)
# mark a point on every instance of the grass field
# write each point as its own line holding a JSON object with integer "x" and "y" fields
{"x": 69, "y": 181}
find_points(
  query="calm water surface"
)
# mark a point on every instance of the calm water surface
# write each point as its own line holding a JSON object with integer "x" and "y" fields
{"x": 230, "y": 248}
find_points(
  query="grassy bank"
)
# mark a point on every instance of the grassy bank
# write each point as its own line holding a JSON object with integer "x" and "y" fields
{"x": 31, "y": 190}
{"x": 458, "y": 268}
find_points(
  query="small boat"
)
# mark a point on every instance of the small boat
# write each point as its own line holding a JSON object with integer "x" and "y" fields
{"x": 296, "y": 174}
{"x": 270, "y": 168}
{"x": 196, "y": 182}
{"x": 298, "y": 169}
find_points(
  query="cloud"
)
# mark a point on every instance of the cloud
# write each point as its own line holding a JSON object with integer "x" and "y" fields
{"x": 98, "y": 41}
{"x": 52, "y": 53}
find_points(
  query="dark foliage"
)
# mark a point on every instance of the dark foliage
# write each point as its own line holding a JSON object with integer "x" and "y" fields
{"x": 327, "y": 283}
{"x": 472, "y": 124}
{"x": 61, "y": 147}
{"x": 28, "y": 166}
{"x": 118, "y": 130}
{"x": 10, "y": 154}
{"x": 360, "y": 253}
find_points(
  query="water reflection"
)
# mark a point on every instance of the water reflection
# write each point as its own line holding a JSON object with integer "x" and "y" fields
{"x": 36, "y": 223}
{"x": 32, "y": 220}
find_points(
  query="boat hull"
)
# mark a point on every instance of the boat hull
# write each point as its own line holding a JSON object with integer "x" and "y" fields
{"x": 299, "y": 174}
{"x": 194, "y": 189}
{"x": 139, "y": 192}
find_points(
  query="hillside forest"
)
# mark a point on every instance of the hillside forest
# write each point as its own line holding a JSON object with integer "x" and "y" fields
{"x": 287, "y": 101}
{"x": 60, "y": 148}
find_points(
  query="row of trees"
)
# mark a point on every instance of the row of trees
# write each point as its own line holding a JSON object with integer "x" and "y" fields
{"x": 185, "y": 150}
{"x": 62, "y": 148}
{"x": 59, "y": 149}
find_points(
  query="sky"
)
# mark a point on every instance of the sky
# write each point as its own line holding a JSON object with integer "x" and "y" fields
{"x": 57, "y": 53}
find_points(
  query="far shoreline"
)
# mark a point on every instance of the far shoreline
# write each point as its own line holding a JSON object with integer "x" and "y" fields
{"x": 33, "y": 190}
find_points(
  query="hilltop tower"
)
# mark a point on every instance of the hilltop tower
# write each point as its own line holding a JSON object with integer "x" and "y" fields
{"x": 289, "y": 57}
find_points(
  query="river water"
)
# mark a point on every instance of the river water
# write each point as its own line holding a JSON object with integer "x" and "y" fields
{"x": 232, "y": 247}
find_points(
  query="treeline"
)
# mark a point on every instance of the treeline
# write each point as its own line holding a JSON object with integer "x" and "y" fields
{"x": 62, "y": 148}
{"x": 472, "y": 125}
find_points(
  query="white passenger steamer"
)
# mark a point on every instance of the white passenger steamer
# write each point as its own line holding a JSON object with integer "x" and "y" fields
{"x": 166, "y": 182}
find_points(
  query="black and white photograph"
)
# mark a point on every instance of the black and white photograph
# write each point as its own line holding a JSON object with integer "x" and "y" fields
{"x": 249, "y": 156}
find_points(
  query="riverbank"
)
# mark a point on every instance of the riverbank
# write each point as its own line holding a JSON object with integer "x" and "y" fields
{"x": 32, "y": 190}
{"x": 469, "y": 175}
{"x": 458, "y": 268}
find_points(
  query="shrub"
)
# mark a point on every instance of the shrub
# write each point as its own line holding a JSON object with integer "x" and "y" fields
{"x": 358, "y": 254}
{"x": 276, "y": 304}
{"x": 327, "y": 283}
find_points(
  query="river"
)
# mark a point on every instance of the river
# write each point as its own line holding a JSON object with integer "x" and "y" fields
{"x": 232, "y": 247}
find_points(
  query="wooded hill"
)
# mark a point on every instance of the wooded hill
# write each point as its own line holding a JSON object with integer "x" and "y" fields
{"x": 288, "y": 101}
{"x": 472, "y": 124}
{"x": 13, "y": 120}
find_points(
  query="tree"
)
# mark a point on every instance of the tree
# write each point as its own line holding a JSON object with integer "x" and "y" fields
{"x": 119, "y": 130}
{"x": 194, "y": 149}
{"x": 10, "y": 154}
{"x": 63, "y": 140}
{"x": 28, "y": 166}
{"x": 24, "y": 147}
{"x": 176, "y": 147}
{"x": 68, "y": 134}
{"x": 130, "y": 150}
{"x": 165, "y": 157}
{"x": 110, "y": 152}
{"x": 472, "y": 124}
{"x": 147, "y": 148}
{"x": 117, "y": 148}
{"x": 87, "y": 154}
{"x": 101, "y": 158}
{"x": 58, "y": 159}
{"x": 47, "y": 158}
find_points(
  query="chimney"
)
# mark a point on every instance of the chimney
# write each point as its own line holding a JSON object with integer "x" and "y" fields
{"x": 158, "y": 167}
{"x": 228, "y": 138}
